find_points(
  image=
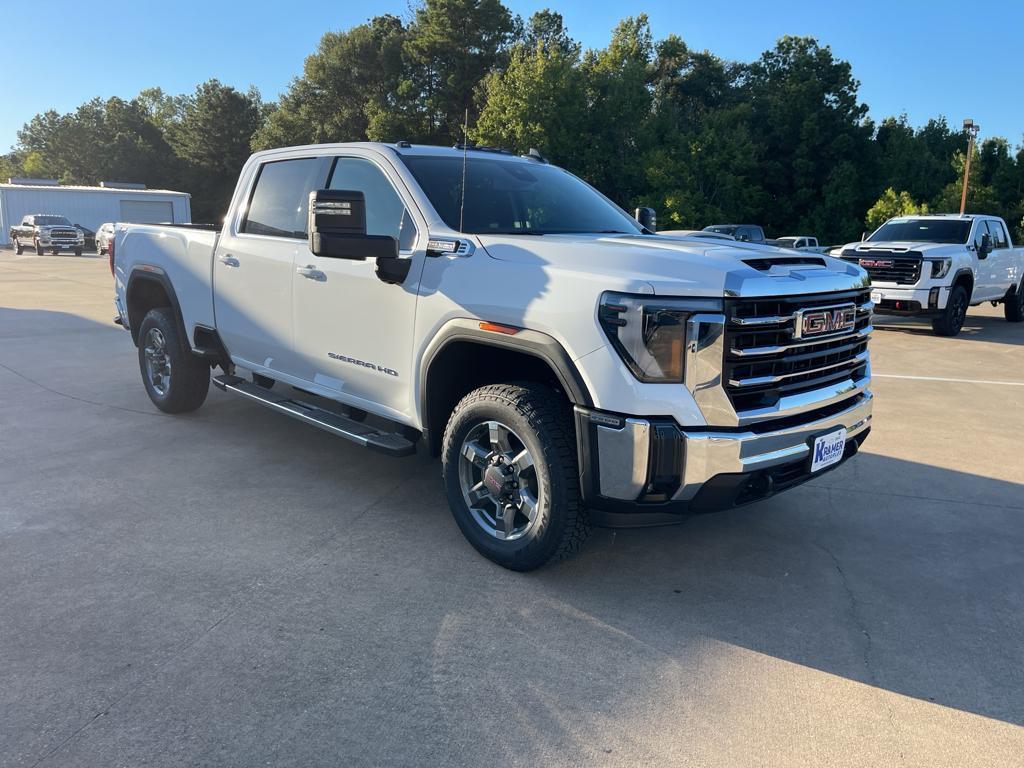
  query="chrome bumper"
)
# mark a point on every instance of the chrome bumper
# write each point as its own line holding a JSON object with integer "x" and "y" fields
{"x": 653, "y": 465}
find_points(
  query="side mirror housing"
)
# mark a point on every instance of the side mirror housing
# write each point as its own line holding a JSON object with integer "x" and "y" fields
{"x": 648, "y": 218}
{"x": 337, "y": 227}
{"x": 986, "y": 246}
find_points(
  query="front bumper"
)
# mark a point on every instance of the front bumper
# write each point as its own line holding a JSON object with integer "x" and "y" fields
{"x": 910, "y": 300}
{"x": 651, "y": 471}
{"x": 62, "y": 244}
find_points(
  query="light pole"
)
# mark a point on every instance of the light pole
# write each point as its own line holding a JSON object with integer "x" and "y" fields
{"x": 971, "y": 129}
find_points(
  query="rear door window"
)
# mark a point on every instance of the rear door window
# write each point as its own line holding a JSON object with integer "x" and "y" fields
{"x": 279, "y": 204}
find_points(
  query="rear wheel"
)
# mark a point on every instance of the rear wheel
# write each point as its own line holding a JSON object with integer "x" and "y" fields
{"x": 176, "y": 380}
{"x": 952, "y": 318}
{"x": 1013, "y": 307}
{"x": 510, "y": 471}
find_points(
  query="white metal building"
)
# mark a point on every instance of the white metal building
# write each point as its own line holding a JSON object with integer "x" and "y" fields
{"x": 91, "y": 206}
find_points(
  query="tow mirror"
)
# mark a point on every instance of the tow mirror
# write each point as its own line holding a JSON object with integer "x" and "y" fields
{"x": 986, "y": 246}
{"x": 648, "y": 219}
{"x": 337, "y": 230}
{"x": 337, "y": 227}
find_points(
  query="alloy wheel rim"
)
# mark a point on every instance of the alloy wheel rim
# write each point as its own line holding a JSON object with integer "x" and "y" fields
{"x": 960, "y": 312}
{"x": 499, "y": 481}
{"x": 158, "y": 362}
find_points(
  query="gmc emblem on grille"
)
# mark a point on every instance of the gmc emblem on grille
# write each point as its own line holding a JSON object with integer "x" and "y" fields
{"x": 877, "y": 263}
{"x": 817, "y": 322}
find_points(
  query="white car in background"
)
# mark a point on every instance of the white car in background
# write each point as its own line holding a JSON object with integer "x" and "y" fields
{"x": 104, "y": 237}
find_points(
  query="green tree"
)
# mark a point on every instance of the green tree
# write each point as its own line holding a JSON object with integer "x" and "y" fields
{"x": 212, "y": 137}
{"x": 452, "y": 45}
{"x": 815, "y": 138}
{"x": 538, "y": 100}
{"x": 891, "y": 204}
{"x": 349, "y": 84}
{"x": 981, "y": 197}
{"x": 619, "y": 106}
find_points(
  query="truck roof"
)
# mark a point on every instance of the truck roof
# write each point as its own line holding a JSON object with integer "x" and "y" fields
{"x": 964, "y": 216}
{"x": 407, "y": 149}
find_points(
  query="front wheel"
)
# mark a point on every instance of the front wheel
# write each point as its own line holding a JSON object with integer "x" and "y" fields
{"x": 78, "y": 251}
{"x": 952, "y": 318}
{"x": 1013, "y": 307}
{"x": 510, "y": 472}
{"x": 176, "y": 380}
{"x": 18, "y": 247}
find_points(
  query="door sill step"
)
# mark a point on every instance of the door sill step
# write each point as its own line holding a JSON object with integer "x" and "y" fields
{"x": 389, "y": 443}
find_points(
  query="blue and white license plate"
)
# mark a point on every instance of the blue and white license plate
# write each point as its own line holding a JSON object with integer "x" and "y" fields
{"x": 828, "y": 450}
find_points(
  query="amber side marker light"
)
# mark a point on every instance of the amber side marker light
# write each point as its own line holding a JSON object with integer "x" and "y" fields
{"x": 498, "y": 328}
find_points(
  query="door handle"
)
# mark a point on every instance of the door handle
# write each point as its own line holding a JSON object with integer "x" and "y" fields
{"x": 312, "y": 273}
{"x": 228, "y": 260}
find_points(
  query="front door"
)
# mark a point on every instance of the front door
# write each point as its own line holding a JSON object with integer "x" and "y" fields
{"x": 254, "y": 264}
{"x": 353, "y": 332}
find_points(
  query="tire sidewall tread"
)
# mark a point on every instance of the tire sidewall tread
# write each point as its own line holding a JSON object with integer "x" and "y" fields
{"x": 543, "y": 420}
{"x": 190, "y": 375}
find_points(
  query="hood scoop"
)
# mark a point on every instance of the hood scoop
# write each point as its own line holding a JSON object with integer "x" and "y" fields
{"x": 766, "y": 263}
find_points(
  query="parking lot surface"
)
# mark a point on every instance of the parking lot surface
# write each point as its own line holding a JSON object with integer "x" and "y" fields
{"x": 234, "y": 588}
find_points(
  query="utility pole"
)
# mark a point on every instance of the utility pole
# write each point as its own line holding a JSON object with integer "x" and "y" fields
{"x": 971, "y": 129}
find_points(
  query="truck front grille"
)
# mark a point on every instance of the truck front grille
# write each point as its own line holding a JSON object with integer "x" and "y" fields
{"x": 900, "y": 267}
{"x": 63, "y": 234}
{"x": 769, "y": 354}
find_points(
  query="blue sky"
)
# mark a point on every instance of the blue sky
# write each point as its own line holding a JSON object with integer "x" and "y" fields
{"x": 923, "y": 58}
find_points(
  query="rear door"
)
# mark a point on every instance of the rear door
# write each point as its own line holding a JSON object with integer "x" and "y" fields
{"x": 1001, "y": 259}
{"x": 254, "y": 264}
{"x": 353, "y": 332}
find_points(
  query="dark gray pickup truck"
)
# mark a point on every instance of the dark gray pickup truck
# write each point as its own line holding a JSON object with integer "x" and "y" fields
{"x": 47, "y": 232}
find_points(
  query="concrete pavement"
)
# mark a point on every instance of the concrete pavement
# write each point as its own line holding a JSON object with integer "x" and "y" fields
{"x": 234, "y": 588}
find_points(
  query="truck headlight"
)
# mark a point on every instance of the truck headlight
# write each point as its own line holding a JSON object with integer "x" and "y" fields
{"x": 940, "y": 267}
{"x": 649, "y": 332}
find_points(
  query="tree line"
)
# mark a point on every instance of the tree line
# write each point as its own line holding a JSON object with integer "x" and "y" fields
{"x": 783, "y": 141}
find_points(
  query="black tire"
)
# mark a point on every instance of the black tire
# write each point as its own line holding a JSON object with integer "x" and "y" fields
{"x": 38, "y": 247}
{"x": 1013, "y": 306}
{"x": 18, "y": 247}
{"x": 952, "y": 318}
{"x": 78, "y": 251}
{"x": 542, "y": 420}
{"x": 186, "y": 385}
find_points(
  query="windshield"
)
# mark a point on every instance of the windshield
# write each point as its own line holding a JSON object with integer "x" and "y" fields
{"x": 515, "y": 198}
{"x": 51, "y": 220}
{"x": 722, "y": 229}
{"x": 953, "y": 231}
{"x": 788, "y": 242}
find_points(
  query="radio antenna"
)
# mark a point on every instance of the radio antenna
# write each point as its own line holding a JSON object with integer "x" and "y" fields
{"x": 465, "y": 151}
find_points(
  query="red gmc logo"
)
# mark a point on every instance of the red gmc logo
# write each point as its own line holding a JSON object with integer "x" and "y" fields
{"x": 817, "y": 322}
{"x": 882, "y": 263}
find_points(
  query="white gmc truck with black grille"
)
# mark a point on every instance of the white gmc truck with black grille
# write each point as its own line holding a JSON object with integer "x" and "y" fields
{"x": 939, "y": 265}
{"x": 569, "y": 366}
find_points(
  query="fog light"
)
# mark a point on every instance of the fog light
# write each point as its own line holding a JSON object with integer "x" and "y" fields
{"x": 933, "y": 298}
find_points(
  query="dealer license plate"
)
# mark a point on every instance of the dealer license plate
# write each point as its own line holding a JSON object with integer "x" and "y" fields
{"x": 828, "y": 450}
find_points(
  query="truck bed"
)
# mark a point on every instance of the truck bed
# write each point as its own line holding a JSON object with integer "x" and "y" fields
{"x": 183, "y": 252}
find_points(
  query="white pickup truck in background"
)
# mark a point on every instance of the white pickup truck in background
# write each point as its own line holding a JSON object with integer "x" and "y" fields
{"x": 567, "y": 364}
{"x": 939, "y": 265}
{"x": 799, "y": 243}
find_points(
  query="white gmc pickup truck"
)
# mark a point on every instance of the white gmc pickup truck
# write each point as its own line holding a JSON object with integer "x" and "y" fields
{"x": 568, "y": 365}
{"x": 939, "y": 265}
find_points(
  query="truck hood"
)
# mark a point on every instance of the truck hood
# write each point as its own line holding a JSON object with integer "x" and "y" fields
{"x": 678, "y": 266}
{"x": 928, "y": 249}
